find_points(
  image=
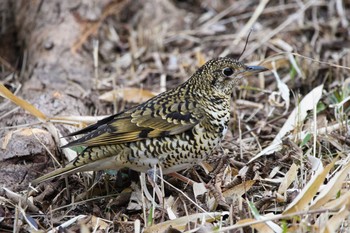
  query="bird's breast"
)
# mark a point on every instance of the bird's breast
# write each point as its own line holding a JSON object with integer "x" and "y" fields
{"x": 217, "y": 120}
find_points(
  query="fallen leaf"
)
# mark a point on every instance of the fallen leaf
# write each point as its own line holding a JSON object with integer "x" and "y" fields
{"x": 288, "y": 179}
{"x": 199, "y": 189}
{"x": 294, "y": 120}
{"x": 4, "y": 92}
{"x": 309, "y": 191}
{"x": 180, "y": 223}
{"x": 330, "y": 190}
{"x": 333, "y": 225}
{"x": 240, "y": 189}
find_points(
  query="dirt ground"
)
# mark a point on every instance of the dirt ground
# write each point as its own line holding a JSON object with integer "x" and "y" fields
{"x": 282, "y": 167}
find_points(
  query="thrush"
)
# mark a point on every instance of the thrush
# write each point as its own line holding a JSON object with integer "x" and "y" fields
{"x": 174, "y": 130}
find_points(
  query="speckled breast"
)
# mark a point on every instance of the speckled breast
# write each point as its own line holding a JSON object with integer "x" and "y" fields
{"x": 181, "y": 151}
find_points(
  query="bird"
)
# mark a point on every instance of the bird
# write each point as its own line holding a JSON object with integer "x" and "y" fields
{"x": 174, "y": 130}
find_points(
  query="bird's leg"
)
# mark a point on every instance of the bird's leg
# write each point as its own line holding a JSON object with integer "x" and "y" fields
{"x": 215, "y": 184}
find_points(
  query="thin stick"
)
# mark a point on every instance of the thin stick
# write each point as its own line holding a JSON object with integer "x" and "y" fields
{"x": 246, "y": 43}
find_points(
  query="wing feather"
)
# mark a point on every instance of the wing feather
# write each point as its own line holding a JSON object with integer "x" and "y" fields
{"x": 140, "y": 123}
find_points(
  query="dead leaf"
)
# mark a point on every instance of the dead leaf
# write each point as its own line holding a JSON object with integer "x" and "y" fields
{"x": 68, "y": 223}
{"x": 4, "y": 92}
{"x": 199, "y": 189}
{"x": 200, "y": 58}
{"x": 336, "y": 220}
{"x": 283, "y": 88}
{"x": 309, "y": 191}
{"x": 22, "y": 200}
{"x": 180, "y": 223}
{"x": 98, "y": 223}
{"x": 240, "y": 189}
{"x": 294, "y": 120}
{"x": 331, "y": 189}
{"x": 337, "y": 203}
{"x": 289, "y": 178}
{"x": 260, "y": 227}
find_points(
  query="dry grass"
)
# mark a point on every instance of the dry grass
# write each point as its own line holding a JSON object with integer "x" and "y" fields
{"x": 299, "y": 185}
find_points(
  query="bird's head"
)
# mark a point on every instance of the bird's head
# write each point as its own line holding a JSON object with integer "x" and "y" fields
{"x": 220, "y": 75}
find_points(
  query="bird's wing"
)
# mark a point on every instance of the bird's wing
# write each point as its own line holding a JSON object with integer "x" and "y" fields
{"x": 151, "y": 119}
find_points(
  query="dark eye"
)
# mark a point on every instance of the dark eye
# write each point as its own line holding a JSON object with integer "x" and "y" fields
{"x": 228, "y": 71}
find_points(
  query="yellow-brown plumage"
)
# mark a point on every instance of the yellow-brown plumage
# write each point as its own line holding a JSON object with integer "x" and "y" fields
{"x": 174, "y": 130}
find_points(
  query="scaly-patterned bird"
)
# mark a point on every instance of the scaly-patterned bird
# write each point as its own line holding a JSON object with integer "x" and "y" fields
{"x": 174, "y": 130}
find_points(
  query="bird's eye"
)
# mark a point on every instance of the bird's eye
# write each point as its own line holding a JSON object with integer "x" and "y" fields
{"x": 228, "y": 71}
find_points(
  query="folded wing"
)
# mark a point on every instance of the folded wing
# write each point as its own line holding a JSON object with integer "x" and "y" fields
{"x": 149, "y": 120}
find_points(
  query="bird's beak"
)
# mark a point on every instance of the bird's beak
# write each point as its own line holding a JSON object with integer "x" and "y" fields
{"x": 250, "y": 70}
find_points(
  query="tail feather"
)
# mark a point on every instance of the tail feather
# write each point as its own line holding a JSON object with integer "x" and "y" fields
{"x": 92, "y": 159}
{"x": 69, "y": 169}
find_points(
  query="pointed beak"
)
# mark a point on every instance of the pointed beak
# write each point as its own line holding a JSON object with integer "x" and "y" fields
{"x": 253, "y": 70}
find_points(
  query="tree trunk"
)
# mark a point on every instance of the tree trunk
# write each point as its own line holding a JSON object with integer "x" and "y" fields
{"x": 58, "y": 73}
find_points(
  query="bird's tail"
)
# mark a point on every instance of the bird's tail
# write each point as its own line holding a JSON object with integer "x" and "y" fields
{"x": 69, "y": 169}
{"x": 91, "y": 159}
